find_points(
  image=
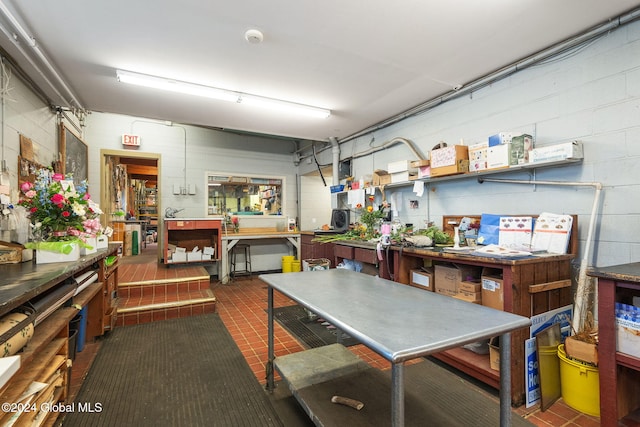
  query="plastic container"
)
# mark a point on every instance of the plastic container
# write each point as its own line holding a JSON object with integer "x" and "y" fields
{"x": 580, "y": 384}
{"x": 74, "y": 325}
{"x": 287, "y": 261}
{"x": 82, "y": 329}
{"x": 295, "y": 266}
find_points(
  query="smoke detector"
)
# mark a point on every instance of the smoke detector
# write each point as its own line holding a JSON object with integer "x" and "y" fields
{"x": 254, "y": 36}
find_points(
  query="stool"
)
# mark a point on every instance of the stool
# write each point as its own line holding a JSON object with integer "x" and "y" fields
{"x": 242, "y": 250}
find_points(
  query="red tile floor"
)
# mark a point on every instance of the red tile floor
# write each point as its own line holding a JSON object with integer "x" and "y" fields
{"x": 241, "y": 305}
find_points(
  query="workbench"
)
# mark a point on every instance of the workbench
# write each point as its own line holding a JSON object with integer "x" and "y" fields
{"x": 396, "y": 321}
{"x": 246, "y": 235}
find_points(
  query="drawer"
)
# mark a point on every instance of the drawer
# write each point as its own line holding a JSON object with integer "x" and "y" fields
{"x": 341, "y": 251}
{"x": 366, "y": 255}
{"x": 181, "y": 225}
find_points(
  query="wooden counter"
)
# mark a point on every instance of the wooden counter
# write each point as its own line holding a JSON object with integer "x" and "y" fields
{"x": 531, "y": 286}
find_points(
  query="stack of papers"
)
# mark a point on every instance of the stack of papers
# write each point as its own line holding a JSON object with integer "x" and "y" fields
{"x": 497, "y": 251}
{"x": 551, "y": 233}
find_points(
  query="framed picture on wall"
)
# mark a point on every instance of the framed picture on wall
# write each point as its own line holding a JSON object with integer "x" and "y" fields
{"x": 75, "y": 155}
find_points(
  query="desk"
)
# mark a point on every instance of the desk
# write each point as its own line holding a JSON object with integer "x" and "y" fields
{"x": 416, "y": 323}
{"x": 229, "y": 240}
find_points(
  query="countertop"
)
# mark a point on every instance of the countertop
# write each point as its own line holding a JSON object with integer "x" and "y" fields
{"x": 623, "y": 272}
{"x": 24, "y": 281}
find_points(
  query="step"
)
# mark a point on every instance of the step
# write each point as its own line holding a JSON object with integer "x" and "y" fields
{"x": 150, "y": 288}
{"x": 149, "y": 301}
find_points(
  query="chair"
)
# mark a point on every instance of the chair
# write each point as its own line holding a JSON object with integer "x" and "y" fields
{"x": 244, "y": 251}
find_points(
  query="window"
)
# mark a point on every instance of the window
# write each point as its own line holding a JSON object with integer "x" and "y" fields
{"x": 244, "y": 195}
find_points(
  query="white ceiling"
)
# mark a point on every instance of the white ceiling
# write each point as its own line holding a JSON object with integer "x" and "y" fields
{"x": 365, "y": 60}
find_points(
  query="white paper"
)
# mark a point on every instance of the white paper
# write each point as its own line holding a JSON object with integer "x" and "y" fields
{"x": 355, "y": 197}
{"x": 552, "y": 232}
{"x": 418, "y": 188}
{"x": 515, "y": 232}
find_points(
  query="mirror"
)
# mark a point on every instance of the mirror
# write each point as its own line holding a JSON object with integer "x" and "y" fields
{"x": 244, "y": 195}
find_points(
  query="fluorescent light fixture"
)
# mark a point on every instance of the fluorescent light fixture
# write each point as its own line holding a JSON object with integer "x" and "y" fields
{"x": 219, "y": 94}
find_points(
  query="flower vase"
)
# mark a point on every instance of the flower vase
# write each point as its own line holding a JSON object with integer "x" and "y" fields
{"x": 70, "y": 253}
{"x": 236, "y": 228}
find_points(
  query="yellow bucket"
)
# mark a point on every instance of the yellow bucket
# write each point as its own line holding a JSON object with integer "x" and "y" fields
{"x": 295, "y": 266}
{"x": 287, "y": 261}
{"x": 580, "y": 384}
{"x": 549, "y": 366}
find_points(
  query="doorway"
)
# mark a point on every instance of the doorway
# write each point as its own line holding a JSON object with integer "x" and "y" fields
{"x": 130, "y": 189}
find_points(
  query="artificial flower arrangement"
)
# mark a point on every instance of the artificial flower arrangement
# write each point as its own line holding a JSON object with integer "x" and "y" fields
{"x": 60, "y": 212}
{"x": 236, "y": 223}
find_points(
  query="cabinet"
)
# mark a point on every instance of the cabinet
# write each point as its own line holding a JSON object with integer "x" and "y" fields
{"x": 189, "y": 233}
{"x": 619, "y": 372}
{"x": 45, "y": 358}
{"x": 530, "y": 286}
{"x": 313, "y": 250}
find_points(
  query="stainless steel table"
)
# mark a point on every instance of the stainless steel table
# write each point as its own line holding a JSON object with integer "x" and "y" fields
{"x": 397, "y": 321}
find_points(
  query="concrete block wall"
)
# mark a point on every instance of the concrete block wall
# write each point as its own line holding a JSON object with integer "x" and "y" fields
{"x": 591, "y": 94}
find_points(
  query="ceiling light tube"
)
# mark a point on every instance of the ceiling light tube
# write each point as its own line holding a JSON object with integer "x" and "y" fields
{"x": 283, "y": 106}
{"x": 220, "y": 94}
{"x": 175, "y": 86}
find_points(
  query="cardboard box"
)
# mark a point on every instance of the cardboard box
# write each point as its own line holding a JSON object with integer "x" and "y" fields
{"x": 472, "y": 297}
{"x": 401, "y": 166}
{"x": 403, "y": 176}
{"x": 581, "y": 350}
{"x": 500, "y": 138}
{"x": 478, "y": 156}
{"x": 448, "y": 276}
{"x": 448, "y": 156}
{"x": 10, "y": 253}
{"x": 498, "y": 156}
{"x": 420, "y": 163}
{"x": 470, "y": 286}
{"x": 381, "y": 177}
{"x": 422, "y": 279}
{"x": 628, "y": 329}
{"x": 494, "y": 353}
{"x": 316, "y": 264}
{"x": 567, "y": 150}
{"x": 519, "y": 149}
{"x": 462, "y": 166}
{"x": 492, "y": 288}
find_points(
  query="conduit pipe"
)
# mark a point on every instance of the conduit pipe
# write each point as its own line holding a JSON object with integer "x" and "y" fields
{"x": 582, "y": 292}
{"x": 397, "y": 140}
{"x": 503, "y": 72}
{"x": 31, "y": 42}
{"x": 335, "y": 151}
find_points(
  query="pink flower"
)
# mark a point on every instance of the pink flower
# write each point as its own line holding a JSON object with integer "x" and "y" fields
{"x": 72, "y": 231}
{"x": 57, "y": 177}
{"x": 30, "y": 194}
{"x": 66, "y": 214}
{"x": 87, "y": 196}
{"x": 57, "y": 199}
{"x": 26, "y": 186}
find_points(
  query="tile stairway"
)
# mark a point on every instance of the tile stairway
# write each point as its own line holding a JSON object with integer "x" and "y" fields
{"x": 150, "y": 292}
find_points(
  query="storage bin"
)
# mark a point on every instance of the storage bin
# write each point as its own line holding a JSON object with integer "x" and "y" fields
{"x": 580, "y": 384}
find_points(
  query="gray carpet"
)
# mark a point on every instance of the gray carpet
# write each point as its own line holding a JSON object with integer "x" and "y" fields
{"x": 180, "y": 372}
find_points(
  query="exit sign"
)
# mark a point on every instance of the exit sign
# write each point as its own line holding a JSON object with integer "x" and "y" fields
{"x": 131, "y": 140}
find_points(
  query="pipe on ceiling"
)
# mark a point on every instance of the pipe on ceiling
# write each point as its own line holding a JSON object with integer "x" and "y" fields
{"x": 18, "y": 33}
{"x": 504, "y": 72}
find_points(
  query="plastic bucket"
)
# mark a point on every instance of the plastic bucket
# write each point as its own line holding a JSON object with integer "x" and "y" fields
{"x": 580, "y": 384}
{"x": 295, "y": 266}
{"x": 549, "y": 364}
{"x": 287, "y": 261}
{"x": 74, "y": 325}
